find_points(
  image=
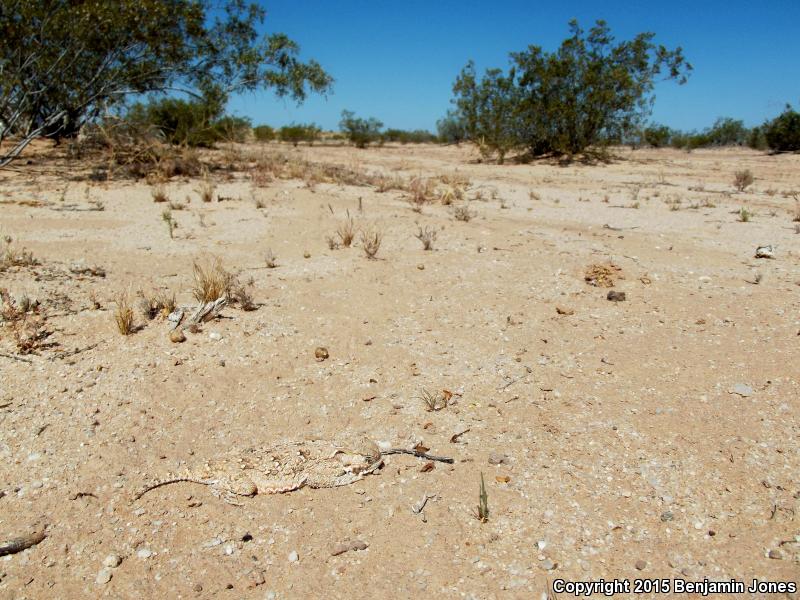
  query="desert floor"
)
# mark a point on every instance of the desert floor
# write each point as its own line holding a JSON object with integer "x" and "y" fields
{"x": 652, "y": 437}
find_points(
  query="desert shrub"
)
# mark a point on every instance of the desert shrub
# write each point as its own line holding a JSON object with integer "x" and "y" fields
{"x": 491, "y": 110}
{"x": 264, "y": 133}
{"x": 417, "y": 136}
{"x": 726, "y": 132}
{"x": 743, "y": 179}
{"x": 371, "y": 238}
{"x": 451, "y": 128}
{"x": 657, "y": 136}
{"x": 178, "y": 121}
{"x": 65, "y": 63}
{"x": 360, "y": 132}
{"x": 589, "y": 92}
{"x": 756, "y": 139}
{"x": 296, "y": 133}
{"x": 782, "y": 133}
{"x": 427, "y": 236}
{"x": 232, "y": 129}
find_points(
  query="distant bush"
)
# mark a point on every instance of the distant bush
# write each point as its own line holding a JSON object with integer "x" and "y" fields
{"x": 451, "y": 128}
{"x": 590, "y": 92}
{"x": 782, "y": 134}
{"x": 264, "y": 133}
{"x": 360, "y": 132}
{"x": 417, "y": 136}
{"x": 296, "y": 133}
{"x": 727, "y": 132}
{"x": 232, "y": 129}
{"x": 178, "y": 121}
{"x": 195, "y": 123}
{"x": 756, "y": 139}
{"x": 657, "y": 136}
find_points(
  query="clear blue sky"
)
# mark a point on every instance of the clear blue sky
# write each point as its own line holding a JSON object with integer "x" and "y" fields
{"x": 396, "y": 60}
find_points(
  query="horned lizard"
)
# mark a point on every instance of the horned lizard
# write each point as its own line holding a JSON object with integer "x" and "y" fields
{"x": 282, "y": 468}
{"x": 287, "y": 467}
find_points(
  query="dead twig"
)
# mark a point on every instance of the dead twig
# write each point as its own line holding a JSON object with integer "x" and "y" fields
{"x": 418, "y": 454}
{"x": 13, "y": 357}
{"x": 19, "y": 544}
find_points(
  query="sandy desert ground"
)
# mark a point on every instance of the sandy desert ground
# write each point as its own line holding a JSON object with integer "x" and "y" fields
{"x": 655, "y": 437}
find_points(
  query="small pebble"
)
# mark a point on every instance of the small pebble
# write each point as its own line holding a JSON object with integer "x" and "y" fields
{"x": 177, "y": 336}
{"x": 293, "y": 556}
{"x": 640, "y": 565}
{"x": 112, "y": 560}
{"x": 615, "y": 296}
{"x": 103, "y": 576}
{"x": 144, "y": 553}
{"x": 339, "y": 548}
{"x": 548, "y": 565}
{"x": 321, "y": 353}
{"x": 214, "y": 335}
{"x": 742, "y": 390}
{"x": 497, "y": 459}
{"x": 775, "y": 554}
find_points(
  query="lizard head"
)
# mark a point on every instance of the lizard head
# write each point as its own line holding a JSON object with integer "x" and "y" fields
{"x": 359, "y": 455}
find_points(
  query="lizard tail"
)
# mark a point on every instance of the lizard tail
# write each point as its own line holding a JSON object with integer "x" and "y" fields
{"x": 159, "y": 484}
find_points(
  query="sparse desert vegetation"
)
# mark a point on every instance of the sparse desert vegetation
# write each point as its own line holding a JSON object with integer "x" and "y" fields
{"x": 498, "y": 353}
{"x": 584, "y": 331}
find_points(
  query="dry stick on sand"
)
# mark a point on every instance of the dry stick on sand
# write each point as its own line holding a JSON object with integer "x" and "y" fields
{"x": 19, "y": 544}
{"x": 443, "y": 459}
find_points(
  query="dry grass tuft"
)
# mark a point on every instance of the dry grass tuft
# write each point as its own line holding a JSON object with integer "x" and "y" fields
{"x": 347, "y": 231}
{"x": 371, "y": 239}
{"x": 270, "y": 259}
{"x": 745, "y": 215}
{"x": 212, "y": 281}
{"x": 743, "y": 179}
{"x": 427, "y": 236}
{"x": 171, "y": 223}
{"x": 422, "y": 190}
{"x": 12, "y": 256}
{"x": 482, "y": 510}
{"x": 160, "y": 303}
{"x": 240, "y": 293}
{"x": 434, "y": 402}
{"x": 206, "y": 189}
{"x": 123, "y": 314}
{"x": 463, "y": 213}
{"x": 159, "y": 193}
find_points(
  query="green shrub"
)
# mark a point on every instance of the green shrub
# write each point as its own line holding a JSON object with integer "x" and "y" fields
{"x": 756, "y": 139}
{"x": 782, "y": 134}
{"x": 194, "y": 123}
{"x": 360, "y": 132}
{"x": 178, "y": 121}
{"x": 232, "y": 129}
{"x": 417, "y": 136}
{"x": 451, "y": 128}
{"x": 264, "y": 133}
{"x": 296, "y": 133}
{"x": 591, "y": 91}
{"x": 657, "y": 136}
